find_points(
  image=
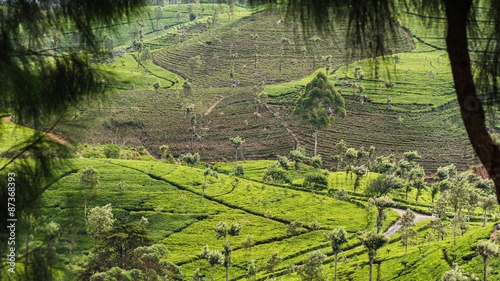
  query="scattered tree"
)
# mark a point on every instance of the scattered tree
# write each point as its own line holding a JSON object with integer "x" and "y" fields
{"x": 89, "y": 179}
{"x": 312, "y": 267}
{"x": 273, "y": 262}
{"x": 208, "y": 172}
{"x": 298, "y": 156}
{"x": 100, "y": 220}
{"x": 190, "y": 159}
{"x": 373, "y": 241}
{"x": 381, "y": 203}
{"x": 360, "y": 172}
{"x": 487, "y": 203}
{"x": 194, "y": 64}
{"x": 251, "y": 271}
{"x": 487, "y": 249}
{"x": 222, "y": 230}
{"x": 213, "y": 257}
{"x": 406, "y": 222}
{"x": 383, "y": 185}
{"x": 456, "y": 273}
{"x": 236, "y": 142}
{"x": 337, "y": 237}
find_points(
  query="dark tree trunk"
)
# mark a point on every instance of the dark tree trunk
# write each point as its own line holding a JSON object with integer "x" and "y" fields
{"x": 371, "y": 267}
{"x": 457, "y": 12}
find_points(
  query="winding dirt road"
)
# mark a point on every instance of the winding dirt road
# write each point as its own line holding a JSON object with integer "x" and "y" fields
{"x": 395, "y": 227}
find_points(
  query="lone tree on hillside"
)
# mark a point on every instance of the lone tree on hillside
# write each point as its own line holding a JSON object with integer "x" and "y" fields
{"x": 337, "y": 237}
{"x": 318, "y": 104}
{"x": 194, "y": 64}
{"x": 89, "y": 179}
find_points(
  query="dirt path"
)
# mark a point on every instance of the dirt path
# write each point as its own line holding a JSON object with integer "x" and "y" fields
{"x": 395, "y": 227}
{"x": 52, "y": 136}
{"x": 213, "y": 106}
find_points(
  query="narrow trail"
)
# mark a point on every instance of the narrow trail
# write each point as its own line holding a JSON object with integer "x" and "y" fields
{"x": 54, "y": 137}
{"x": 395, "y": 227}
{"x": 209, "y": 110}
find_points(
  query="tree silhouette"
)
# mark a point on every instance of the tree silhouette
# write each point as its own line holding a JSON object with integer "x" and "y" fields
{"x": 317, "y": 105}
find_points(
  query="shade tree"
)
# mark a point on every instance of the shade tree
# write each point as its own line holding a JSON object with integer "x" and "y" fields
{"x": 298, "y": 156}
{"x": 190, "y": 159}
{"x": 360, "y": 172}
{"x": 194, "y": 63}
{"x": 208, "y": 172}
{"x": 317, "y": 105}
{"x": 213, "y": 257}
{"x": 222, "y": 230}
{"x": 251, "y": 273}
{"x": 383, "y": 185}
{"x": 487, "y": 203}
{"x": 416, "y": 179}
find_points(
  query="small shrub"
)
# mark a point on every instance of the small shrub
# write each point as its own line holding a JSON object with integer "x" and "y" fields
{"x": 112, "y": 151}
{"x": 277, "y": 175}
{"x": 316, "y": 180}
{"x": 315, "y": 225}
{"x": 239, "y": 171}
{"x": 293, "y": 227}
{"x": 342, "y": 195}
{"x": 171, "y": 159}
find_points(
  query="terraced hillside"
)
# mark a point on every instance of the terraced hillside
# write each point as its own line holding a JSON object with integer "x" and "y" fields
{"x": 416, "y": 110}
{"x": 169, "y": 197}
{"x": 260, "y": 47}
